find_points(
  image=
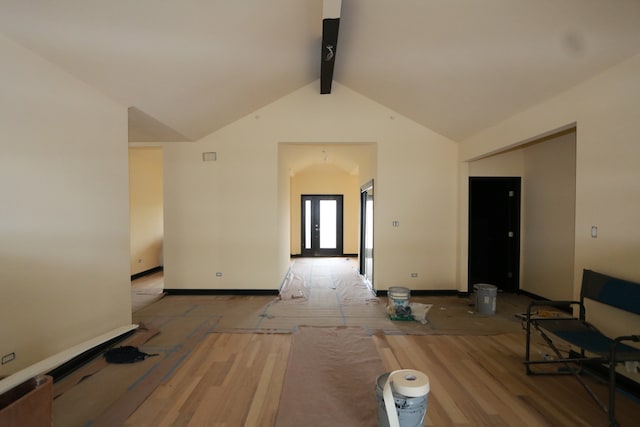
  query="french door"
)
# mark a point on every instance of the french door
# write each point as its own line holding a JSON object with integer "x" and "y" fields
{"x": 322, "y": 225}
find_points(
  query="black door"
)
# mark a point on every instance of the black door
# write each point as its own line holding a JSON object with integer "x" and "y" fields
{"x": 494, "y": 232}
{"x": 322, "y": 225}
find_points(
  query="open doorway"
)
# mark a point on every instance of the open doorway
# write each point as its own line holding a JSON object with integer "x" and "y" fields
{"x": 146, "y": 228}
{"x": 324, "y": 169}
{"x": 547, "y": 166}
{"x": 314, "y": 188}
{"x": 494, "y": 232}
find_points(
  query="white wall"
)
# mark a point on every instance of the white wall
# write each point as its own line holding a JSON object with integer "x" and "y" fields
{"x": 145, "y": 207}
{"x": 227, "y": 216}
{"x": 64, "y": 216}
{"x": 605, "y": 110}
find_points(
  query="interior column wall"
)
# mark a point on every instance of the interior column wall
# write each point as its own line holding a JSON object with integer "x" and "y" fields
{"x": 549, "y": 228}
{"x": 64, "y": 218}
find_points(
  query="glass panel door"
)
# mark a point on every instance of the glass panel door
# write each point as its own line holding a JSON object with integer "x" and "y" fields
{"x": 307, "y": 224}
{"x": 328, "y": 220}
{"x": 322, "y": 225}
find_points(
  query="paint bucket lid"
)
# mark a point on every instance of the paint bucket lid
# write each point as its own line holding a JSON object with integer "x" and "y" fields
{"x": 399, "y": 291}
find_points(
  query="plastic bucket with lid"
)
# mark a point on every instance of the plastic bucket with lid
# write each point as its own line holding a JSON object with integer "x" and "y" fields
{"x": 398, "y": 302}
{"x": 485, "y": 298}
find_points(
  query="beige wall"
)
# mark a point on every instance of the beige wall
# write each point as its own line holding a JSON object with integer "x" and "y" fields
{"x": 228, "y": 216}
{"x": 549, "y": 217}
{"x": 64, "y": 226}
{"x": 509, "y": 163}
{"x": 327, "y": 179}
{"x": 283, "y": 216}
{"x": 145, "y": 207}
{"x": 605, "y": 110}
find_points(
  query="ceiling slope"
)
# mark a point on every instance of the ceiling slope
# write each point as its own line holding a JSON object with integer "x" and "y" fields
{"x": 191, "y": 67}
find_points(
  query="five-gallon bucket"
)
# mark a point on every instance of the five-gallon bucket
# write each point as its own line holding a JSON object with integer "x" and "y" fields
{"x": 398, "y": 303}
{"x": 410, "y": 410}
{"x": 485, "y": 298}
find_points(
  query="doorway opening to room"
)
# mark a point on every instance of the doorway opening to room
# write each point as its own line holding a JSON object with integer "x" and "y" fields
{"x": 146, "y": 229}
{"x": 547, "y": 165}
{"x": 322, "y": 225}
{"x": 494, "y": 232}
{"x": 324, "y": 170}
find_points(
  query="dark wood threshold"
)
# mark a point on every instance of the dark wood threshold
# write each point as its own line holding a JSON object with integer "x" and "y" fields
{"x": 147, "y": 272}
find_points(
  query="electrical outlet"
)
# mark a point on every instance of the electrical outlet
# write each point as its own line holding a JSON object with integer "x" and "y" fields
{"x": 414, "y": 274}
{"x": 219, "y": 274}
{"x": 8, "y": 357}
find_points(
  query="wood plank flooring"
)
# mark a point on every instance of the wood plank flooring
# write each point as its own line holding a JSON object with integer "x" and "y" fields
{"x": 234, "y": 375}
{"x": 230, "y": 380}
{"x": 236, "y": 379}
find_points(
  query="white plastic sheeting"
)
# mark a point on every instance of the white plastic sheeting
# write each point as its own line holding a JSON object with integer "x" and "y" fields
{"x": 312, "y": 277}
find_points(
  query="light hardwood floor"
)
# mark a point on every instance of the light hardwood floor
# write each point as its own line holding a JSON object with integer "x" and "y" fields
{"x": 234, "y": 376}
{"x": 146, "y": 290}
{"x": 236, "y": 379}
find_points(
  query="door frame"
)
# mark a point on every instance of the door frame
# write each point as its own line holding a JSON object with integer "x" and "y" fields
{"x": 366, "y": 191}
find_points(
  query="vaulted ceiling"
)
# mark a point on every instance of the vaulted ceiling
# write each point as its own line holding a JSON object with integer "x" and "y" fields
{"x": 187, "y": 68}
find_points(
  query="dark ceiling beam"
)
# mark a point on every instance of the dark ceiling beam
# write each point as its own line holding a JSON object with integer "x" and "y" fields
{"x": 330, "y": 25}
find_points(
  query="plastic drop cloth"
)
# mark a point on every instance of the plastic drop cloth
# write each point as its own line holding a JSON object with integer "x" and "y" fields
{"x": 323, "y": 274}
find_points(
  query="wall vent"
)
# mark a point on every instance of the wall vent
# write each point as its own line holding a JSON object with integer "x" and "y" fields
{"x": 209, "y": 156}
